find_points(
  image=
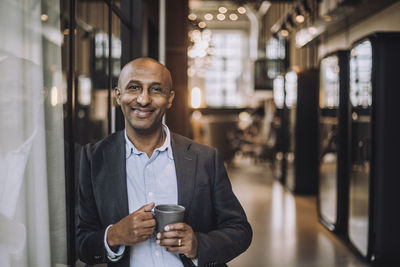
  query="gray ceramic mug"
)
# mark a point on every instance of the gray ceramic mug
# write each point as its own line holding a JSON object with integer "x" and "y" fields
{"x": 168, "y": 214}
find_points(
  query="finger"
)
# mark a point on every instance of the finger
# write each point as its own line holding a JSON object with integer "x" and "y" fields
{"x": 171, "y": 242}
{"x": 147, "y": 207}
{"x": 144, "y": 216}
{"x": 147, "y": 232}
{"x": 171, "y": 234}
{"x": 142, "y": 238}
{"x": 180, "y": 250}
{"x": 144, "y": 232}
{"x": 148, "y": 223}
{"x": 175, "y": 226}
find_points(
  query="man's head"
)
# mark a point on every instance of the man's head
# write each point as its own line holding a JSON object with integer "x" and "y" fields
{"x": 144, "y": 93}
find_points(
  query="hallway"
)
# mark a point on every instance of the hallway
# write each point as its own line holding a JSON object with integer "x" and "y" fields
{"x": 286, "y": 230}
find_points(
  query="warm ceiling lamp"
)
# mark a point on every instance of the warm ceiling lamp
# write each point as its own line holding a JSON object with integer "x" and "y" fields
{"x": 202, "y": 24}
{"x": 299, "y": 17}
{"x": 192, "y": 16}
{"x": 284, "y": 32}
{"x": 220, "y": 16}
{"x": 208, "y": 16}
{"x": 233, "y": 16}
{"x": 44, "y": 17}
{"x": 241, "y": 10}
{"x": 222, "y": 10}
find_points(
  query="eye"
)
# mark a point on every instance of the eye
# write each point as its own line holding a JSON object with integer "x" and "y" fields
{"x": 133, "y": 87}
{"x": 156, "y": 90}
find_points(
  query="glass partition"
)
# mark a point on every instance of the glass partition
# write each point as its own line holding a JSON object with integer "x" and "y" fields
{"x": 32, "y": 180}
{"x": 116, "y": 46}
{"x": 91, "y": 70}
{"x": 361, "y": 100}
{"x": 279, "y": 91}
{"x": 291, "y": 104}
{"x": 329, "y": 104}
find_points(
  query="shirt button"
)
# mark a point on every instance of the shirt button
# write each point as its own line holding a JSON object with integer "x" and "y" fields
{"x": 150, "y": 194}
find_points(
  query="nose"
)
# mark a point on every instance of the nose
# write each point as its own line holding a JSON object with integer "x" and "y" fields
{"x": 143, "y": 98}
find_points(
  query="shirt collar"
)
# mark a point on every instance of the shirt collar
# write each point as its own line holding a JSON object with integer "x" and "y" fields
{"x": 130, "y": 147}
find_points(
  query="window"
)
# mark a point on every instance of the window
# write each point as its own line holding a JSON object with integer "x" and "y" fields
{"x": 223, "y": 76}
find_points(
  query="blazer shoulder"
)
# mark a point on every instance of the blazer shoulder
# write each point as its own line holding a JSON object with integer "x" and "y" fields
{"x": 109, "y": 142}
{"x": 189, "y": 144}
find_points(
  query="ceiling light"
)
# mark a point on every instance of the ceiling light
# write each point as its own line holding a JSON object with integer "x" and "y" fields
{"x": 192, "y": 16}
{"x": 208, "y": 16}
{"x": 220, "y": 16}
{"x": 233, "y": 16}
{"x": 202, "y": 24}
{"x": 44, "y": 17}
{"x": 241, "y": 10}
{"x": 222, "y": 10}
{"x": 284, "y": 33}
{"x": 300, "y": 18}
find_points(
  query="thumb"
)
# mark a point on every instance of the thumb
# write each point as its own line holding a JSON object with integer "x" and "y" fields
{"x": 147, "y": 207}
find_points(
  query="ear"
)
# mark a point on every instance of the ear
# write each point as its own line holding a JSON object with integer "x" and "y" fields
{"x": 171, "y": 98}
{"x": 117, "y": 93}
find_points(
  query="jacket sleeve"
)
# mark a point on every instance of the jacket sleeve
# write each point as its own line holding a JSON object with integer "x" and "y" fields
{"x": 90, "y": 233}
{"x": 233, "y": 233}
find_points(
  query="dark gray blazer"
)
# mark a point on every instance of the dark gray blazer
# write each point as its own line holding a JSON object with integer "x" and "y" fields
{"x": 212, "y": 210}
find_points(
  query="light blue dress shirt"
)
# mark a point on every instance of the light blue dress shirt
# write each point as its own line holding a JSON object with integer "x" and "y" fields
{"x": 149, "y": 180}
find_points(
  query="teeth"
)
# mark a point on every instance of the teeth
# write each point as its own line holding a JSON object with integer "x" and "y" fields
{"x": 142, "y": 112}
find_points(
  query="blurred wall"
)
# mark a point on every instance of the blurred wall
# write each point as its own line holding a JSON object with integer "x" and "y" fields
{"x": 177, "y": 117}
{"x": 385, "y": 20}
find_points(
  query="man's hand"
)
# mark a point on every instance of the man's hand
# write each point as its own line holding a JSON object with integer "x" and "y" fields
{"x": 179, "y": 238}
{"x": 134, "y": 228}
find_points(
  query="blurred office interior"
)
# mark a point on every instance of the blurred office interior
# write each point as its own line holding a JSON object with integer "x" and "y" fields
{"x": 299, "y": 96}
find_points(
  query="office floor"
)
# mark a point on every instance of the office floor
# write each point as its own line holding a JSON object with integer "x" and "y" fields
{"x": 286, "y": 231}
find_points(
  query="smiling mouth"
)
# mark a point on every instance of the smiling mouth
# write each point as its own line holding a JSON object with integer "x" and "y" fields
{"x": 142, "y": 113}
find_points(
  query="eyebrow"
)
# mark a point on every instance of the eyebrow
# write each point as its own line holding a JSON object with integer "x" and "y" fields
{"x": 139, "y": 82}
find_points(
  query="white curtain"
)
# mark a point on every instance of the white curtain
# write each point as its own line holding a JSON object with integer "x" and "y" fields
{"x": 32, "y": 180}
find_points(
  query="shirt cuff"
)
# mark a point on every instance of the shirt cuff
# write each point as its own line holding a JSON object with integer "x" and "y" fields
{"x": 195, "y": 261}
{"x": 111, "y": 255}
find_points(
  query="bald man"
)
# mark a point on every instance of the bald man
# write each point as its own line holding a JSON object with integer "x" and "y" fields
{"x": 125, "y": 175}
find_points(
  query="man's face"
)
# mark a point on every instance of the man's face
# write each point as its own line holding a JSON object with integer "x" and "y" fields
{"x": 144, "y": 95}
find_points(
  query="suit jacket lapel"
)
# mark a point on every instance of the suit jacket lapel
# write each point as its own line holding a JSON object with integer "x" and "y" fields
{"x": 185, "y": 165}
{"x": 116, "y": 180}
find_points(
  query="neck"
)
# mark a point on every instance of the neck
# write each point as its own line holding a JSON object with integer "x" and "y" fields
{"x": 147, "y": 142}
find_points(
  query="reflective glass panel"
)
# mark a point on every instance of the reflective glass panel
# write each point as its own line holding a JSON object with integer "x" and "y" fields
{"x": 291, "y": 102}
{"x": 115, "y": 61}
{"x": 279, "y": 94}
{"x": 360, "y": 75}
{"x": 32, "y": 175}
{"x": 291, "y": 88}
{"x": 91, "y": 70}
{"x": 329, "y": 82}
{"x": 328, "y": 101}
{"x": 361, "y": 99}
